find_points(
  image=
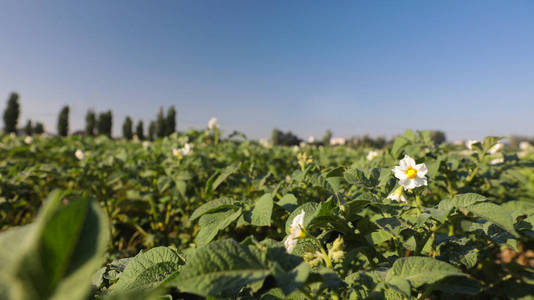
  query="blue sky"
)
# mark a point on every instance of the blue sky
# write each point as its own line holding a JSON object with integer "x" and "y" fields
{"x": 355, "y": 67}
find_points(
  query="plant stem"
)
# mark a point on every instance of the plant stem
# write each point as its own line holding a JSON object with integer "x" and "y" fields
{"x": 325, "y": 255}
{"x": 418, "y": 204}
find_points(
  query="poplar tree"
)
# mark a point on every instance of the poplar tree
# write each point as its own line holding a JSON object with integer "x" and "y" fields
{"x": 90, "y": 123}
{"x": 127, "y": 131}
{"x": 28, "y": 129}
{"x": 139, "y": 130}
{"x": 171, "y": 121}
{"x": 63, "y": 122}
{"x": 11, "y": 114}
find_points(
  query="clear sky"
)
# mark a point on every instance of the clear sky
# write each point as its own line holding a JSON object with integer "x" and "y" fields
{"x": 356, "y": 67}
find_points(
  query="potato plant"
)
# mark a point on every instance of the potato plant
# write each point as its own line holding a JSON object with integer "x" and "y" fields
{"x": 196, "y": 216}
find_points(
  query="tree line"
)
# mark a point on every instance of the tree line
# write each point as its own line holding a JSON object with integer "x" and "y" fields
{"x": 95, "y": 124}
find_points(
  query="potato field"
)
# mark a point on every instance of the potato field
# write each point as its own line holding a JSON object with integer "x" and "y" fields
{"x": 193, "y": 216}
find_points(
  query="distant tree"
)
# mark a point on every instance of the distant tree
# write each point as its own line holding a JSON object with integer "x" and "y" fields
{"x": 127, "y": 131}
{"x": 327, "y": 137}
{"x": 171, "y": 121}
{"x": 275, "y": 137}
{"x": 28, "y": 129}
{"x": 139, "y": 130}
{"x": 63, "y": 122}
{"x": 284, "y": 138}
{"x": 11, "y": 114}
{"x": 105, "y": 123}
{"x": 161, "y": 124}
{"x": 437, "y": 136}
{"x": 39, "y": 128}
{"x": 90, "y": 123}
{"x": 152, "y": 128}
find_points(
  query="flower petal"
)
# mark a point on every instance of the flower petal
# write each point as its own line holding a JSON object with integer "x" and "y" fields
{"x": 419, "y": 181}
{"x": 421, "y": 170}
{"x": 407, "y": 162}
{"x": 399, "y": 173}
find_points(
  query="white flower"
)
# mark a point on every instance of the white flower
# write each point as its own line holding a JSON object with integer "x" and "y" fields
{"x": 409, "y": 174}
{"x": 469, "y": 144}
{"x": 296, "y": 232}
{"x": 311, "y": 140}
{"x": 338, "y": 141}
{"x": 524, "y": 145}
{"x": 185, "y": 150}
{"x": 146, "y": 144}
{"x": 79, "y": 154}
{"x": 28, "y": 140}
{"x": 497, "y": 161}
{"x": 264, "y": 143}
{"x": 212, "y": 124}
{"x": 496, "y": 148}
{"x": 296, "y": 149}
{"x": 397, "y": 195}
{"x": 372, "y": 155}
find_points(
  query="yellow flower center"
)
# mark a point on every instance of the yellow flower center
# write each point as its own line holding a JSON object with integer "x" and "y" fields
{"x": 411, "y": 172}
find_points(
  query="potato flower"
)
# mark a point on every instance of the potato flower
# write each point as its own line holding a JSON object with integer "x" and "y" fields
{"x": 372, "y": 155}
{"x": 79, "y": 154}
{"x": 409, "y": 174}
{"x": 397, "y": 195}
{"x": 296, "y": 232}
{"x": 185, "y": 150}
{"x": 212, "y": 124}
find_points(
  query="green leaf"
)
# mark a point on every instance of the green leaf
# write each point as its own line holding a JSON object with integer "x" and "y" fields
{"x": 290, "y": 281}
{"x": 261, "y": 214}
{"x": 213, "y": 206}
{"x": 224, "y": 175}
{"x": 401, "y": 285}
{"x": 210, "y": 224}
{"x": 465, "y": 200}
{"x": 148, "y": 270}
{"x": 495, "y": 214}
{"x": 221, "y": 268}
{"x": 61, "y": 251}
{"x": 289, "y": 202}
{"x": 421, "y": 270}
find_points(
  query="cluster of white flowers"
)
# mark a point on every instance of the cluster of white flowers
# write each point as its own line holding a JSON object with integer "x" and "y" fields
{"x": 496, "y": 148}
{"x": 311, "y": 140}
{"x": 338, "y": 141}
{"x": 296, "y": 232}
{"x": 212, "y": 124}
{"x": 265, "y": 143}
{"x": 79, "y": 154}
{"x": 372, "y": 154}
{"x": 28, "y": 139}
{"x": 145, "y": 144}
{"x": 185, "y": 150}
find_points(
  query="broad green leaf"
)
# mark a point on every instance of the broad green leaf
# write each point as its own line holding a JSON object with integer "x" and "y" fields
{"x": 210, "y": 224}
{"x": 61, "y": 251}
{"x": 465, "y": 200}
{"x": 221, "y": 268}
{"x": 224, "y": 175}
{"x": 400, "y": 284}
{"x": 212, "y": 206}
{"x": 292, "y": 280}
{"x": 420, "y": 270}
{"x": 495, "y": 214}
{"x": 261, "y": 214}
{"x": 148, "y": 270}
{"x": 289, "y": 202}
